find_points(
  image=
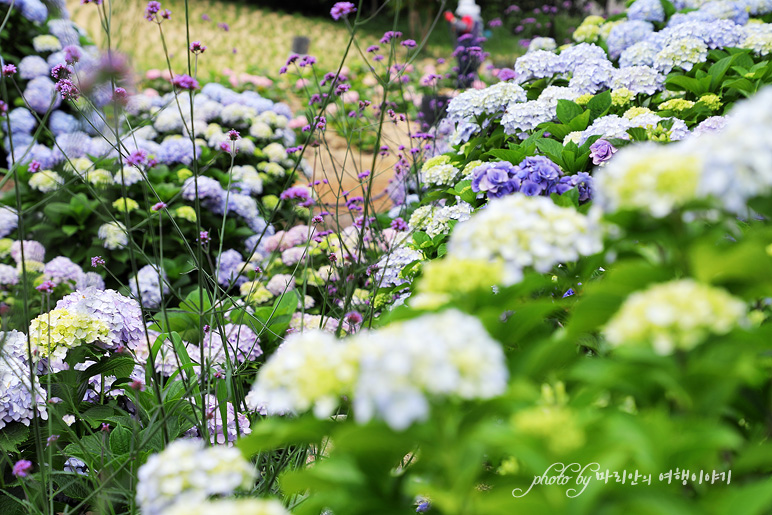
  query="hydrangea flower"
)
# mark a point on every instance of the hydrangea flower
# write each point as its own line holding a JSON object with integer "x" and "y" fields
{"x": 638, "y": 79}
{"x": 177, "y": 150}
{"x": 113, "y": 235}
{"x": 649, "y": 177}
{"x": 152, "y": 288}
{"x": 538, "y": 64}
{"x": 62, "y": 269}
{"x": 309, "y": 370}
{"x": 18, "y": 401}
{"x": 33, "y": 66}
{"x": 9, "y": 220}
{"x": 120, "y": 314}
{"x": 643, "y": 53}
{"x": 522, "y": 232}
{"x": 186, "y": 471}
{"x": 400, "y": 371}
{"x": 676, "y": 315}
{"x": 389, "y": 266}
{"x": 592, "y": 76}
{"x": 54, "y": 333}
{"x": 434, "y": 220}
{"x": 646, "y": 10}
{"x": 46, "y": 181}
{"x": 683, "y": 53}
{"x": 626, "y": 34}
{"x": 439, "y": 172}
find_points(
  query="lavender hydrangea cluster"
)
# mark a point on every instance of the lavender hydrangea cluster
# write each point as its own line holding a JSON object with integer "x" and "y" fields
{"x": 536, "y": 175}
{"x": 626, "y": 34}
{"x": 122, "y": 315}
{"x": 9, "y": 220}
{"x": 229, "y": 264}
{"x": 150, "y": 284}
{"x": 237, "y": 343}
{"x": 19, "y": 401}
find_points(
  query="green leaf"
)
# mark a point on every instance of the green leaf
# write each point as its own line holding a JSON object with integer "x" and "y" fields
{"x": 12, "y": 436}
{"x": 69, "y": 230}
{"x": 568, "y": 110}
{"x": 551, "y": 148}
{"x": 57, "y": 211}
{"x": 599, "y": 104}
{"x": 669, "y": 8}
{"x": 119, "y": 366}
{"x": 581, "y": 122}
{"x": 718, "y": 70}
{"x": 637, "y": 133}
{"x": 514, "y": 156}
{"x": 273, "y": 433}
{"x": 120, "y": 440}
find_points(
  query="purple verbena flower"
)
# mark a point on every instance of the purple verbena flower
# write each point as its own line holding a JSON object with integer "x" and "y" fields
{"x": 45, "y": 287}
{"x": 97, "y": 261}
{"x": 341, "y": 10}
{"x": 185, "y": 81}
{"x": 9, "y": 70}
{"x": 197, "y": 47}
{"x": 22, "y": 468}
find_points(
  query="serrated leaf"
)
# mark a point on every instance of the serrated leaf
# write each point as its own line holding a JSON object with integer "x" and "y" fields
{"x": 568, "y": 110}
{"x": 120, "y": 440}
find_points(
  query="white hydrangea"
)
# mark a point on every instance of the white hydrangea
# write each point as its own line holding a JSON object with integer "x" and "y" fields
{"x": 113, "y": 235}
{"x": 310, "y": 369}
{"x": 186, "y": 471}
{"x": 434, "y": 220}
{"x": 488, "y": 101}
{"x": 275, "y": 152}
{"x": 46, "y": 181}
{"x": 525, "y": 232}
{"x": 46, "y": 43}
{"x": 527, "y": 116}
{"x": 18, "y": 402}
{"x": 674, "y": 315}
{"x": 400, "y": 369}
{"x": 542, "y": 43}
{"x": 758, "y": 37}
{"x": 236, "y": 114}
{"x": 440, "y": 175}
{"x": 537, "y": 65}
{"x": 685, "y": 52}
{"x": 261, "y": 130}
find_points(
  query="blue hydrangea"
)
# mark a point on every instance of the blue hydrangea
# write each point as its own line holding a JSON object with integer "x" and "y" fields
{"x": 537, "y": 65}
{"x": 577, "y": 55}
{"x": 714, "y": 33}
{"x": 9, "y": 220}
{"x": 40, "y": 93}
{"x": 177, "y": 150}
{"x": 34, "y": 10}
{"x": 220, "y": 93}
{"x": 638, "y": 79}
{"x": 282, "y": 109}
{"x": 256, "y": 244}
{"x": 626, "y": 34}
{"x": 90, "y": 280}
{"x": 228, "y": 266}
{"x": 210, "y": 193}
{"x": 690, "y": 17}
{"x": 72, "y": 145}
{"x": 33, "y": 251}
{"x": 494, "y": 179}
{"x": 646, "y": 10}
{"x": 256, "y": 102}
{"x": 33, "y": 66}
{"x": 42, "y": 154}
{"x": 592, "y": 76}
{"x": 609, "y": 126}
{"x": 727, "y": 10}
{"x": 642, "y": 53}
{"x": 22, "y": 121}
{"x": 62, "y": 123}
{"x": 759, "y": 7}
{"x": 152, "y": 288}
{"x": 65, "y": 31}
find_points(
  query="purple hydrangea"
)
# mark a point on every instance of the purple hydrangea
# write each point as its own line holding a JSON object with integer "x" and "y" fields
{"x": 646, "y": 10}
{"x": 9, "y": 220}
{"x": 62, "y": 269}
{"x": 152, "y": 288}
{"x": 495, "y": 179}
{"x": 210, "y": 193}
{"x": 62, "y": 123}
{"x": 9, "y": 276}
{"x": 33, "y": 251}
{"x": 177, "y": 150}
{"x": 34, "y": 10}
{"x": 17, "y": 401}
{"x": 601, "y": 151}
{"x": 242, "y": 343}
{"x": 22, "y": 121}
{"x": 90, "y": 280}
{"x": 712, "y": 124}
{"x": 228, "y": 266}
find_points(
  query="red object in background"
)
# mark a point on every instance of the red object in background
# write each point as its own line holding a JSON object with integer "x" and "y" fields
{"x": 449, "y": 16}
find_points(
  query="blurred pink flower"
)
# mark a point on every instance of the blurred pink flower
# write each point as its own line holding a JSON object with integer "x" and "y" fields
{"x": 297, "y": 122}
{"x": 302, "y": 83}
{"x": 153, "y": 74}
